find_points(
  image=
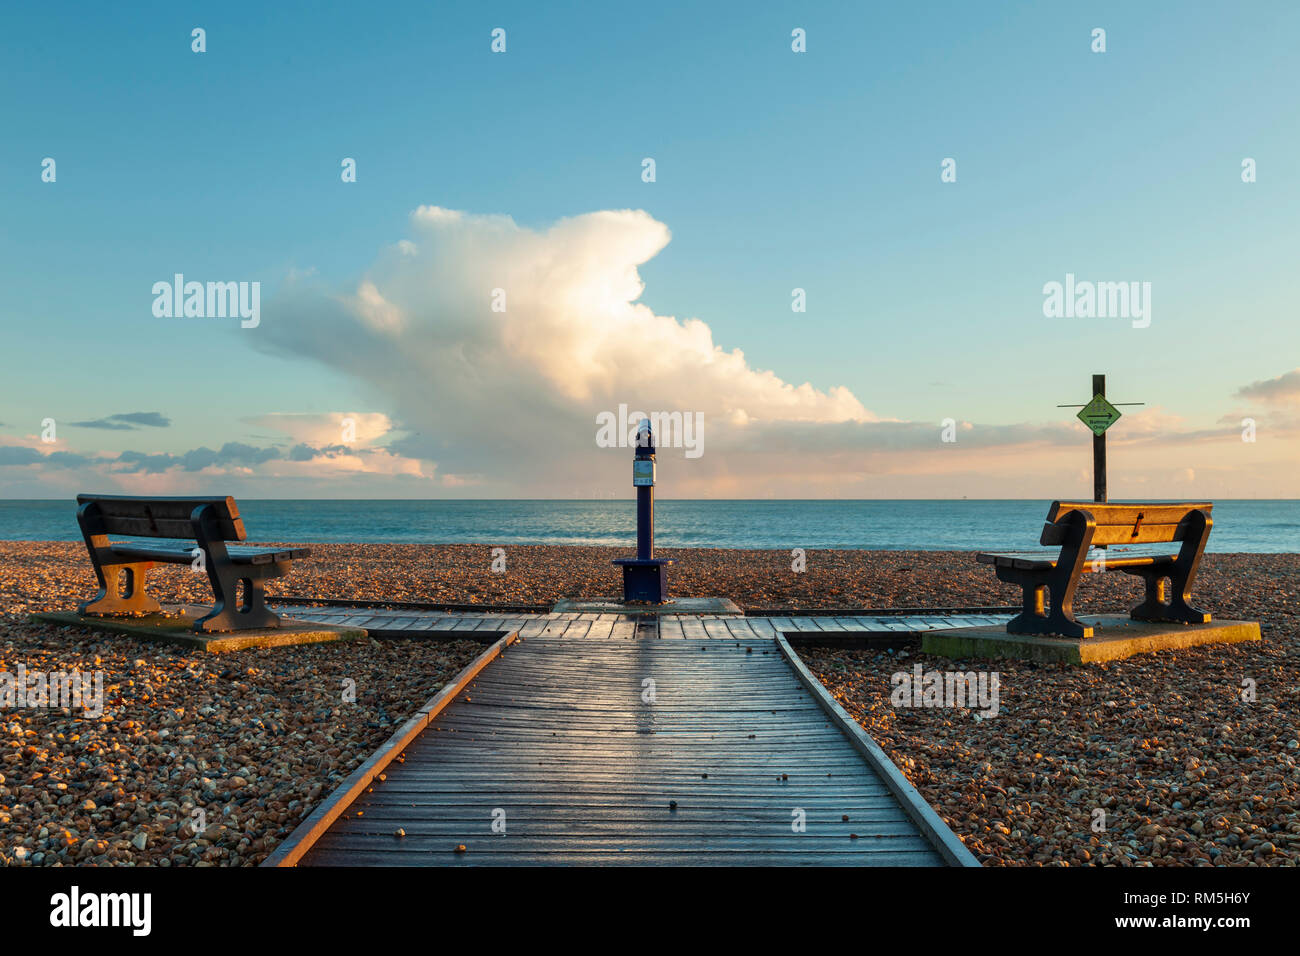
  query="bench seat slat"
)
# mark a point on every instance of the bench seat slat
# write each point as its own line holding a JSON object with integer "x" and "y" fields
{"x": 1126, "y": 512}
{"x": 157, "y": 527}
{"x": 164, "y": 517}
{"x": 1120, "y": 533}
{"x": 1031, "y": 560}
{"x": 182, "y": 553}
{"x": 174, "y": 506}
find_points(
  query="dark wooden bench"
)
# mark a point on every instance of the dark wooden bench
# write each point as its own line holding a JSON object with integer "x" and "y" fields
{"x": 1078, "y": 526}
{"x": 237, "y": 572}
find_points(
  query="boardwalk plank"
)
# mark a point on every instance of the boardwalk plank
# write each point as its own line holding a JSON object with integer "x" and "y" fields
{"x": 623, "y": 628}
{"x": 693, "y": 627}
{"x": 716, "y": 627}
{"x": 578, "y": 628}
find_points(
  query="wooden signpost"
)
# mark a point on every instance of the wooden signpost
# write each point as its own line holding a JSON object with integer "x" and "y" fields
{"x": 1099, "y": 414}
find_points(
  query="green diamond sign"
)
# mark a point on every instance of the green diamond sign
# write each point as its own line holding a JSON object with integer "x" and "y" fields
{"x": 1099, "y": 414}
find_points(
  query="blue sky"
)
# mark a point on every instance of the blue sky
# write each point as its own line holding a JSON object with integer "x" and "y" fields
{"x": 775, "y": 170}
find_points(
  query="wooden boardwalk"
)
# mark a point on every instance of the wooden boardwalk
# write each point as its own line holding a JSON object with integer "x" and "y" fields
{"x": 571, "y": 750}
{"x": 393, "y": 623}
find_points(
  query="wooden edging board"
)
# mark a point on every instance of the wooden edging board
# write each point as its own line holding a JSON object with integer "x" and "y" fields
{"x": 931, "y": 825}
{"x": 305, "y": 835}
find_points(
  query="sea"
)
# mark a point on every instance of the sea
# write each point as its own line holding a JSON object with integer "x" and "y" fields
{"x": 1262, "y": 526}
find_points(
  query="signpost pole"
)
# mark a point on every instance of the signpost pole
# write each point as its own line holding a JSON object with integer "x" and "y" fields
{"x": 1099, "y": 414}
{"x": 1099, "y": 448}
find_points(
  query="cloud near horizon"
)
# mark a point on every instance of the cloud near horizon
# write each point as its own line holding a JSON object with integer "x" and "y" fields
{"x": 319, "y": 453}
{"x": 127, "y": 421}
{"x": 1284, "y": 388}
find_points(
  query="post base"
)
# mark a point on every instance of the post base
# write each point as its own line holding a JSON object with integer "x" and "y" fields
{"x": 645, "y": 579}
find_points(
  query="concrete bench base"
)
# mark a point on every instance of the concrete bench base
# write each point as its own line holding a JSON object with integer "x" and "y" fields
{"x": 1116, "y": 636}
{"x": 175, "y": 626}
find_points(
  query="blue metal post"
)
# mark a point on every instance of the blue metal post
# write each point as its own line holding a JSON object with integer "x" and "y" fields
{"x": 645, "y": 577}
{"x": 645, "y": 496}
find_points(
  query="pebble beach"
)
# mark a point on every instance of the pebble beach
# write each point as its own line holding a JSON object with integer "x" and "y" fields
{"x": 1183, "y": 769}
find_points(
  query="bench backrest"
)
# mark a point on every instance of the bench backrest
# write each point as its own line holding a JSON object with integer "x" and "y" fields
{"x": 1128, "y": 522}
{"x": 163, "y": 517}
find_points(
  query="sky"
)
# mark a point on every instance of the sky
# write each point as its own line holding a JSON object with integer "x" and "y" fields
{"x": 503, "y": 271}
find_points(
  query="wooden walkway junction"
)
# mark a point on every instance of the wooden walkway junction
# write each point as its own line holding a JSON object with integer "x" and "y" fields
{"x": 560, "y": 747}
{"x": 400, "y": 623}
